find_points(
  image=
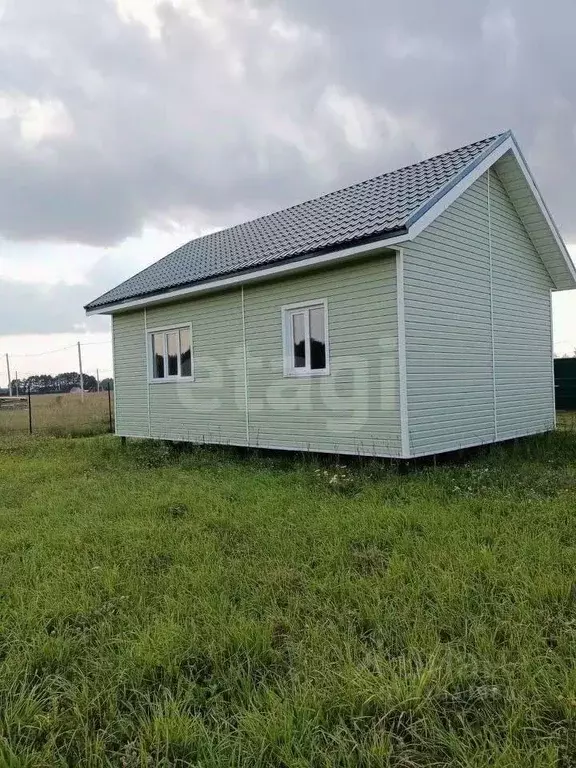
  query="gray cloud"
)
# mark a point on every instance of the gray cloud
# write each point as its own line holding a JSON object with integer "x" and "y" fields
{"x": 35, "y": 308}
{"x": 242, "y": 108}
{"x": 472, "y": 69}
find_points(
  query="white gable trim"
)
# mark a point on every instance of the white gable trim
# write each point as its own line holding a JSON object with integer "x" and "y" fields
{"x": 508, "y": 145}
{"x": 420, "y": 223}
{"x": 424, "y": 221}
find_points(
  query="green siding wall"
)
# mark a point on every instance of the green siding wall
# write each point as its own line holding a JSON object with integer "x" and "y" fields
{"x": 353, "y": 410}
{"x": 522, "y": 325}
{"x": 130, "y": 388}
{"x": 448, "y": 317}
{"x": 211, "y": 409}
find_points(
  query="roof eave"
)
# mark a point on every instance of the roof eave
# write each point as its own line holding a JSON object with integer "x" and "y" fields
{"x": 452, "y": 191}
{"x": 256, "y": 275}
{"x": 563, "y": 279}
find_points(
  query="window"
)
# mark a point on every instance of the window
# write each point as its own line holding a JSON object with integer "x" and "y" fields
{"x": 171, "y": 351}
{"x": 305, "y": 329}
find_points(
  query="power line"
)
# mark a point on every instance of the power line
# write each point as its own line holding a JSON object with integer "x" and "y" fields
{"x": 39, "y": 354}
{"x": 60, "y": 349}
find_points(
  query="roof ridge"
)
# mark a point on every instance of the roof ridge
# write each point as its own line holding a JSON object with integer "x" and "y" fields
{"x": 265, "y": 238}
{"x": 490, "y": 139}
{"x": 338, "y": 191}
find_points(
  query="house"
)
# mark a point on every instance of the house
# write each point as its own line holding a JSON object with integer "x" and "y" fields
{"x": 403, "y": 316}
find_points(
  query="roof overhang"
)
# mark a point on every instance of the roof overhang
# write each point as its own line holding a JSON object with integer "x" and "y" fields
{"x": 518, "y": 182}
{"x": 253, "y": 276}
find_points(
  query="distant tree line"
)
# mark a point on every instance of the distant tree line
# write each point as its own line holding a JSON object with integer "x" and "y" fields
{"x": 45, "y": 384}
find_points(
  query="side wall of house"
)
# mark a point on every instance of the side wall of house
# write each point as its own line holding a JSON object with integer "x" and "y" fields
{"x": 478, "y": 326}
{"x": 354, "y": 409}
{"x": 525, "y": 400}
{"x": 130, "y": 376}
{"x": 240, "y": 395}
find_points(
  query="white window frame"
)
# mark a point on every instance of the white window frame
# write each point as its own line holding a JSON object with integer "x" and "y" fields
{"x": 288, "y": 310}
{"x": 150, "y": 332}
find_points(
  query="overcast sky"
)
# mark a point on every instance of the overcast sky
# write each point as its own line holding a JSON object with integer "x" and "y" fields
{"x": 130, "y": 126}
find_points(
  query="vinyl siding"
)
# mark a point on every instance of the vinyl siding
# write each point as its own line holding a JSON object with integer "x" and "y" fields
{"x": 522, "y": 324}
{"x": 130, "y": 389}
{"x": 538, "y": 228}
{"x": 356, "y": 408}
{"x": 353, "y": 410}
{"x": 448, "y": 318}
{"x": 210, "y": 409}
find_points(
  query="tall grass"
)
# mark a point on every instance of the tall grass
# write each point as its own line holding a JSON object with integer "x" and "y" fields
{"x": 60, "y": 415}
{"x": 202, "y": 608}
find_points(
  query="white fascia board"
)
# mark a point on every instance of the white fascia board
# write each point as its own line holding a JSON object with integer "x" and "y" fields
{"x": 259, "y": 275}
{"x": 545, "y": 212}
{"x": 420, "y": 223}
{"x": 508, "y": 145}
{"x": 458, "y": 189}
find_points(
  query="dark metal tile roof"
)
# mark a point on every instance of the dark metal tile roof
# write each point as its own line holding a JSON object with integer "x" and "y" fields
{"x": 375, "y": 208}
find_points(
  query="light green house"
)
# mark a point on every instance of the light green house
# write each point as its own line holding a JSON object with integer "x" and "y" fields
{"x": 404, "y": 316}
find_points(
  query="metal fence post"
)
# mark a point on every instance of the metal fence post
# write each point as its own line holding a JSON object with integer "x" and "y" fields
{"x": 29, "y": 408}
{"x": 110, "y": 408}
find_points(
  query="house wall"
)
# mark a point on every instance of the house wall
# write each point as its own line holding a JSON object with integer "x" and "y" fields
{"x": 478, "y": 326}
{"x": 522, "y": 324}
{"x": 130, "y": 379}
{"x": 240, "y": 395}
{"x": 355, "y": 409}
{"x": 211, "y": 408}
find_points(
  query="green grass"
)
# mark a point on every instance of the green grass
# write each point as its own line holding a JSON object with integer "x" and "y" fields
{"x": 207, "y": 609}
{"x": 65, "y": 415}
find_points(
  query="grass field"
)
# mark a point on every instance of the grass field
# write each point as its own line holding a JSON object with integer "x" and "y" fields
{"x": 209, "y": 609}
{"x": 60, "y": 415}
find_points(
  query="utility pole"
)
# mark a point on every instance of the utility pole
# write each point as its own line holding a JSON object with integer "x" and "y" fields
{"x": 81, "y": 372}
{"x": 17, "y": 392}
{"x": 97, "y": 380}
{"x": 8, "y": 370}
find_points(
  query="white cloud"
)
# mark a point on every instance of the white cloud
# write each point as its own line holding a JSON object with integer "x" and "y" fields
{"x": 402, "y": 45}
{"x": 144, "y": 12}
{"x": 37, "y": 119}
{"x": 36, "y": 354}
{"x": 499, "y": 31}
{"x": 564, "y": 316}
{"x": 137, "y": 116}
{"x": 368, "y": 127}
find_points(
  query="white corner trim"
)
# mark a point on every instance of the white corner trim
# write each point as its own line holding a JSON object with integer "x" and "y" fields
{"x": 402, "y": 372}
{"x": 491, "y": 288}
{"x": 114, "y": 375}
{"x": 246, "y": 399}
{"x": 148, "y": 365}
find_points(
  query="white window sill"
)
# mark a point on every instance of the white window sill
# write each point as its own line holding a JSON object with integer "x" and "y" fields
{"x": 294, "y": 374}
{"x": 172, "y": 380}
